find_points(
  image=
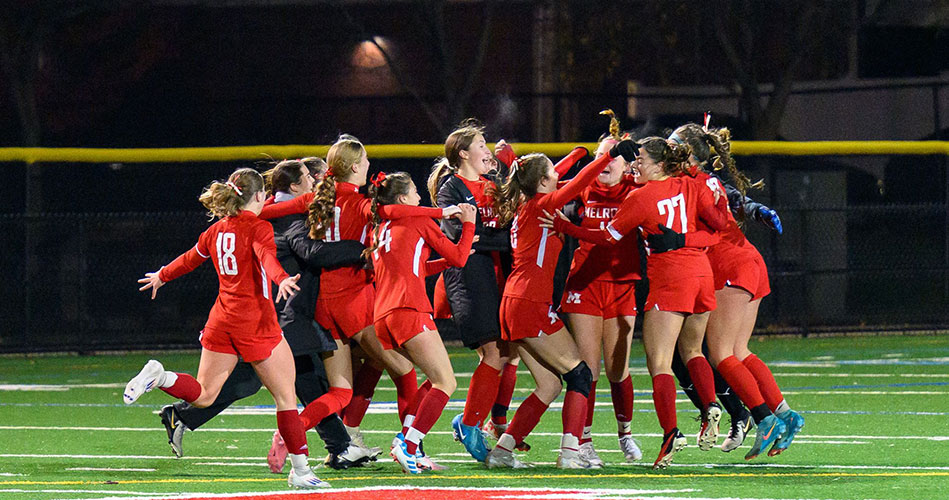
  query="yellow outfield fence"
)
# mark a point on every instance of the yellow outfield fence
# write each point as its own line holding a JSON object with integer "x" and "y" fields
{"x": 382, "y": 151}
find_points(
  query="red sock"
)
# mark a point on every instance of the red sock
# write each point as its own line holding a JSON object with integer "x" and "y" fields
{"x": 413, "y": 408}
{"x": 332, "y": 402}
{"x": 574, "y": 413}
{"x": 364, "y": 386}
{"x": 292, "y": 432}
{"x": 405, "y": 388}
{"x": 526, "y": 418}
{"x": 505, "y": 392}
{"x": 741, "y": 380}
{"x": 428, "y": 412}
{"x": 702, "y": 378}
{"x": 622, "y": 393}
{"x": 664, "y": 397}
{"x": 186, "y": 388}
{"x": 591, "y": 406}
{"x": 482, "y": 391}
{"x": 766, "y": 384}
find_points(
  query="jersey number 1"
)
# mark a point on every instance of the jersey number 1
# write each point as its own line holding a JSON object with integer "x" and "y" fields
{"x": 668, "y": 206}
{"x": 225, "y": 254}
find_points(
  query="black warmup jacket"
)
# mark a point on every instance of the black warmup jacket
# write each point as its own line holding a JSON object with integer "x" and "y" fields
{"x": 473, "y": 290}
{"x": 298, "y": 253}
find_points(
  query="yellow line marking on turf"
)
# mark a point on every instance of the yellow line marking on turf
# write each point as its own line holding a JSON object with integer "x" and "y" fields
{"x": 532, "y": 476}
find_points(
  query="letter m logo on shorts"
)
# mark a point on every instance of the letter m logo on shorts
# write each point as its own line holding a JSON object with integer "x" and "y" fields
{"x": 573, "y": 297}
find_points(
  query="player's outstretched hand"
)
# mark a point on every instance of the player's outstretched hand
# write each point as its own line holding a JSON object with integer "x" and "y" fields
{"x": 549, "y": 220}
{"x": 770, "y": 218}
{"x": 468, "y": 212}
{"x": 288, "y": 288}
{"x": 451, "y": 211}
{"x": 151, "y": 280}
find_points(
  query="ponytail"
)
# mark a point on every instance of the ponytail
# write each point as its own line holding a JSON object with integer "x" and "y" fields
{"x": 384, "y": 189}
{"x": 343, "y": 154}
{"x": 522, "y": 181}
{"x": 227, "y": 199}
{"x": 440, "y": 170}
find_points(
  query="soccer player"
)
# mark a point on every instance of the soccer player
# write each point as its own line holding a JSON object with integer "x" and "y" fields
{"x": 472, "y": 291}
{"x": 741, "y": 280}
{"x": 403, "y": 313}
{"x": 528, "y": 318}
{"x": 600, "y": 299}
{"x": 243, "y": 321}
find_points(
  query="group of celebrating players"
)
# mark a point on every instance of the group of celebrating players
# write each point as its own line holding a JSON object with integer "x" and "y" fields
{"x": 356, "y": 304}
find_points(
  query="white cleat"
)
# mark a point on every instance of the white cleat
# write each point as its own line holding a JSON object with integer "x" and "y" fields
{"x": 588, "y": 453}
{"x": 736, "y": 436}
{"x": 571, "y": 459}
{"x": 307, "y": 481}
{"x": 708, "y": 435}
{"x": 500, "y": 458}
{"x": 145, "y": 381}
{"x": 630, "y": 448}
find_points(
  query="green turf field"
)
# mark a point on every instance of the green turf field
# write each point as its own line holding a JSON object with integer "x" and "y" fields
{"x": 877, "y": 411}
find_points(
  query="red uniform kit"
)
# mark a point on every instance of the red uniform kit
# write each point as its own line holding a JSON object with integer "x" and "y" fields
{"x": 243, "y": 320}
{"x": 402, "y": 308}
{"x": 527, "y": 304}
{"x": 680, "y": 280}
{"x": 735, "y": 261}
{"x": 484, "y": 202}
{"x": 601, "y": 277}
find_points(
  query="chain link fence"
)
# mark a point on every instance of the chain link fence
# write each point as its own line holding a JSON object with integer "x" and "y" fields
{"x": 856, "y": 254}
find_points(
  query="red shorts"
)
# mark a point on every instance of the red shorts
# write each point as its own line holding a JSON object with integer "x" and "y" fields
{"x": 250, "y": 347}
{"x": 691, "y": 295}
{"x": 522, "y": 318}
{"x": 606, "y": 299}
{"x": 741, "y": 267}
{"x": 347, "y": 315}
{"x": 401, "y": 325}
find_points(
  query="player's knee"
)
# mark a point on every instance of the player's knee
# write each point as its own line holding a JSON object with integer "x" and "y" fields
{"x": 579, "y": 379}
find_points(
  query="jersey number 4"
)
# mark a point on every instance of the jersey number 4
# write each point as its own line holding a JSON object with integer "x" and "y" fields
{"x": 668, "y": 206}
{"x": 226, "y": 260}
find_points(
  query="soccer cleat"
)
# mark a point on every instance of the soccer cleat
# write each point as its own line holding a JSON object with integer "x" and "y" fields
{"x": 588, "y": 453}
{"x": 277, "y": 456}
{"x": 769, "y": 430}
{"x": 571, "y": 459}
{"x": 352, "y": 456}
{"x": 145, "y": 381}
{"x": 307, "y": 481}
{"x": 672, "y": 443}
{"x": 736, "y": 436}
{"x": 174, "y": 427}
{"x": 501, "y": 458}
{"x": 355, "y": 438}
{"x": 493, "y": 431}
{"x": 630, "y": 448}
{"x": 401, "y": 455}
{"x": 424, "y": 462}
{"x": 471, "y": 437}
{"x": 793, "y": 423}
{"x": 708, "y": 435}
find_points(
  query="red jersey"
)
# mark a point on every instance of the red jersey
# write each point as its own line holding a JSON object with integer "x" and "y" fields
{"x": 614, "y": 263}
{"x": 485, "y": 203}
{"x": 401, "y": 262}
{"x": 732, "y": 234}
{"x": 679, "y": 203}
{"x": 535, "y": 249}
{"x": 244, "y": 254}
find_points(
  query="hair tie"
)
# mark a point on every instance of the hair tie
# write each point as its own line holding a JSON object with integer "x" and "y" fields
{"x": 378, "y": 178}
{"x": 708, "y": 119}
{"x": 235, "y": 188}
{"x": 676, "y": 139}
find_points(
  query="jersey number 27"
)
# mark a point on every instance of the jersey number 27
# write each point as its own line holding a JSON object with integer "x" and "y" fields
{"x": 668, "y": 206}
